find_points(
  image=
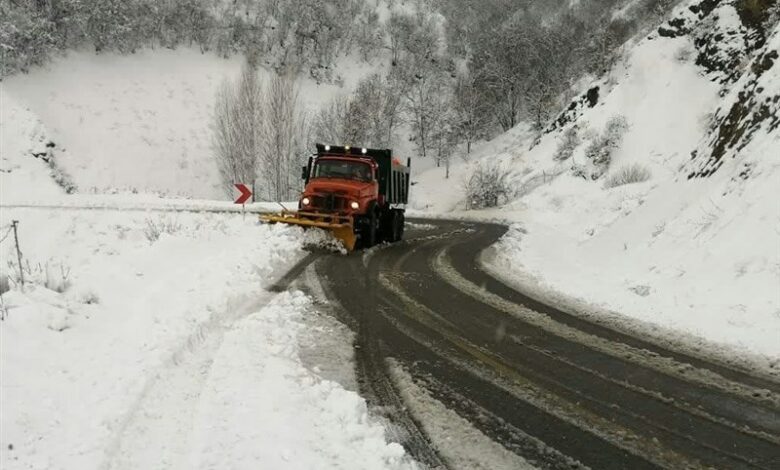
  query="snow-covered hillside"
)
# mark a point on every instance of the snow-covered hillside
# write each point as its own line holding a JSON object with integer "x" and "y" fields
{"x": 694, "y": 249}
{"x": 132, "y": 123}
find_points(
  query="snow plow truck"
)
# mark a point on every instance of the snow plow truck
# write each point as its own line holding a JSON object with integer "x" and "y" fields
{"x": 356, "y": 193}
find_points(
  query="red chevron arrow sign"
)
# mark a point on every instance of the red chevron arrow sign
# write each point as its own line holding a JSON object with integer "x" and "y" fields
{"x": 246, "y": 193}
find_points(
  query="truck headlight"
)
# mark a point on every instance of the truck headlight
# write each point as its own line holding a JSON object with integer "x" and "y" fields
{"x": 306, "y": 201}
{"x": 355, "y": 205}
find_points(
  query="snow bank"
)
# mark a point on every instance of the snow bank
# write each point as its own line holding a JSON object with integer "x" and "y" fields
{"x": 85, "y": 370}
{"x": 261, "y": 407}
{"x": 456, "y": 439}
{"x": 74, "y": 363}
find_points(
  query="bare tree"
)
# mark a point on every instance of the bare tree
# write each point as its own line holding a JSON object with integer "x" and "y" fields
{"x": 367, "y": 117}
{"x": 238, "y": 117}
{"x": 399, "y": 31}
{"x": 329, "y": 124}
{"x": 488, "y": 186}
{"x": 469, "y": 113}
{"x": 425, "y": 105}
{"x": 284, "y": 137}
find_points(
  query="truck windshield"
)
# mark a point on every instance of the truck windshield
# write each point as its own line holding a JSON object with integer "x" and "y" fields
{"x": 342, "y": 169}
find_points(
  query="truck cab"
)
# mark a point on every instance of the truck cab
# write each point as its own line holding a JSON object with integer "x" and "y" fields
{"x": 367, "y": 186}
{"x": 341, "y": 185}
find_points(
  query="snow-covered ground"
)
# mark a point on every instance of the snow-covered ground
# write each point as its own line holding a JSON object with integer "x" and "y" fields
{"x": 146, "y": 335}
{"x": 696, "y": 258}
{"x": 166, "y": 348}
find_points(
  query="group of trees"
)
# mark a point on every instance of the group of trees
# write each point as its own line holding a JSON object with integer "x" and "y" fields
{"x": 463, "y": 70}
{"x": 525, "y": 65}
{"x": 422, "y": 90}
{"x": 32, "y": 30}
{"x": 368, "y": 117}
{"x": 304, "y": 33}
{"x": 261, "y": 134}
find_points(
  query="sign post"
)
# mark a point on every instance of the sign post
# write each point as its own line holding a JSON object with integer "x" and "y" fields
{"x": 246, "y": 193}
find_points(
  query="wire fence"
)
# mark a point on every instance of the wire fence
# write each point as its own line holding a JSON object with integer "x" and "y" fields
{"x": 4, "y": 286}
{"x": 8, "y": 228}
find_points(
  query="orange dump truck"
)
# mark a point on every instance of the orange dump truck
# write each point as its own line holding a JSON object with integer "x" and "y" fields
{"x": 357, "y": 193}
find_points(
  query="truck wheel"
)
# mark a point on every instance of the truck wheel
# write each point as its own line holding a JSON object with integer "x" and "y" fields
{"x": 395, "y": 226}
{"x": 373, "y": 227}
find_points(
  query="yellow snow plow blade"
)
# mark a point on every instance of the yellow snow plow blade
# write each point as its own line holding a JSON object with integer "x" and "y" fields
{"x": 341, "y": 226}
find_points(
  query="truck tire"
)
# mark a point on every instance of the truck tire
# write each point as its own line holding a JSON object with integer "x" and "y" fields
{"x": 374, "y": 229}
{"x": 395, "y": 225}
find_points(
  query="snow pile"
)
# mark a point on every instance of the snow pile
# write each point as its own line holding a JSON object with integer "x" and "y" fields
{"x": 697, "y": 257}
{"x": 114, "y": 348}
{"x": 261, "y": 407}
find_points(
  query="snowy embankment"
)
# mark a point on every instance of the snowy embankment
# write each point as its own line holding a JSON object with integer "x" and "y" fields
{"x": 164, "y": 346}
{"x": 689, "y": 259}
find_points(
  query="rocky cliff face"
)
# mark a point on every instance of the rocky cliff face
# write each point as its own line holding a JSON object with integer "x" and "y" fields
{"x": 737, "y": 44}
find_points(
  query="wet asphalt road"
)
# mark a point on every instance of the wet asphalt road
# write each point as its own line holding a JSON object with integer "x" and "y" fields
{"x": 550, "y": 386}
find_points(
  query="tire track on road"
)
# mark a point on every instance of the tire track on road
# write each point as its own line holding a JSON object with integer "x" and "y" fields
{"x": 608, "y": 393}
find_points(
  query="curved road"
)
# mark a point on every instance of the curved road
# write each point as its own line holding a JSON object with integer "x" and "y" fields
{"x": 549, "y": 386}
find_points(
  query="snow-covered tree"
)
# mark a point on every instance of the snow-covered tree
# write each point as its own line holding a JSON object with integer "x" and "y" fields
{"x": 424, "y": 101}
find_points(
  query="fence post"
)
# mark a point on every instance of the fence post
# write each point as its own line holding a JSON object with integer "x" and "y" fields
{"x": 18, "y": 252}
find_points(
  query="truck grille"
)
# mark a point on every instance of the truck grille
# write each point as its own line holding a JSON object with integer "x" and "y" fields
{"x": 329, "y": 202}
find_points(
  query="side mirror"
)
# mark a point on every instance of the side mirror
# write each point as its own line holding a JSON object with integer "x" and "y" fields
{"x": 304, "y": 172}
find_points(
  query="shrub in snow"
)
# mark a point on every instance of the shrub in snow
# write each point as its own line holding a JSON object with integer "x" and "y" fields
{"x": 488, "y": 186}
{"x": 600, "y": 150}
{"x": 56, "y": 277}
{"x": 569, "y": 142}
{"x": 154, "y": 229}
{"x": 62, "y": 179}
{"x": 642, "y": 291}
{"x": 52, "y": 275}
{"x": 60, "y": 176}
{"x": 579, "y": 171}
{"x": 628, "y": 174}
{"x": 88, "y": 297}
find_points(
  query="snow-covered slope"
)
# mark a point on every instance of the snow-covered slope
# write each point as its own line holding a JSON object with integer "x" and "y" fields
{"x": 692, "y": 250}
{"x": 132, "y": 123}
